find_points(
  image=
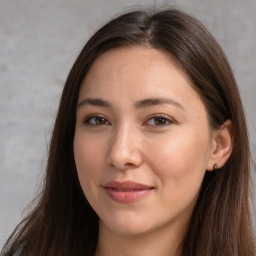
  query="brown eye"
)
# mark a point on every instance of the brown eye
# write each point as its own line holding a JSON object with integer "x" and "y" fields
{"x": 159, "y": 121}
{"x": 96, "y": 120}
{"x": 100, "y": 120}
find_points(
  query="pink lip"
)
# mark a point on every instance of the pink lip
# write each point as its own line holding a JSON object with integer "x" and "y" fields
{"x": 126, "y": 192}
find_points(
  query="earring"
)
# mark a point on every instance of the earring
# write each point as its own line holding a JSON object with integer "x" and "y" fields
{"x": 215, "y": 167}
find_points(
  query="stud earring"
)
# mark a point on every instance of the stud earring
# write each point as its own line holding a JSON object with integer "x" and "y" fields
{"x": 215, "y": 167}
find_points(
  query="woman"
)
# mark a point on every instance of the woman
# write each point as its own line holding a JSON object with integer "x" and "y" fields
{"x": 149, "y": 153}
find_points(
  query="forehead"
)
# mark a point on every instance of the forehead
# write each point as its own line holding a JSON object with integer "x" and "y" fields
{"x": 133, "y": 73}
{"x": 136, "y": 59}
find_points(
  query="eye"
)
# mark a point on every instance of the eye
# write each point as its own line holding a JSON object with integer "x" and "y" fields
{"x": 159, "y": 120}
{"x": 96, "y": 120}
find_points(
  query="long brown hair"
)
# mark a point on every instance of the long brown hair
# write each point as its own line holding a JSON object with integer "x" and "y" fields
{"x": 63, "y": 222}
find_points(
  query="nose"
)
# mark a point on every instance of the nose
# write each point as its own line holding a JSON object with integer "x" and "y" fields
{"x": 124, "y": 149}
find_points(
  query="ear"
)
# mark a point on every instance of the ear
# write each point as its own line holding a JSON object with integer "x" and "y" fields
{"x": 222, "y": 146}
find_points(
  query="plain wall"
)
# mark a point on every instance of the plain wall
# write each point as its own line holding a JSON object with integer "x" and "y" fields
{"x": 39, "y": 41}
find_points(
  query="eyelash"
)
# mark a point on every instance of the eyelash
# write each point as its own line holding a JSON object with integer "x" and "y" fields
{"x": 89, "y": 118}
{"x": 167, "y": 120}
{"x": 159, "y": 116}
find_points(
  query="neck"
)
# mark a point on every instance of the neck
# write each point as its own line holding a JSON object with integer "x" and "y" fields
{"x": 163, "y": 242}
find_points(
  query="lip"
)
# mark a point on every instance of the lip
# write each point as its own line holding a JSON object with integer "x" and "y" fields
{"x": 126, "y": 192}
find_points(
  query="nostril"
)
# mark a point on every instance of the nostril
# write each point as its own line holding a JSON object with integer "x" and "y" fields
{"x": 129, "y": 164}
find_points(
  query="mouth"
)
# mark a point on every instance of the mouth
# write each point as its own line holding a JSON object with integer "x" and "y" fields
{"x": 126, "y": 192}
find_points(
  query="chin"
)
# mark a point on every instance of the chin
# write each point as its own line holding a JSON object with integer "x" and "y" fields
{"x": 127, "y": 225}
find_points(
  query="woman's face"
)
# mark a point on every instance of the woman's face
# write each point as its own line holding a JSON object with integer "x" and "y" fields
{"x": 142, "y": 141}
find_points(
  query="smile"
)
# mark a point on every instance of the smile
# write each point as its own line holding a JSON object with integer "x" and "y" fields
{"x": 126, "y": 192}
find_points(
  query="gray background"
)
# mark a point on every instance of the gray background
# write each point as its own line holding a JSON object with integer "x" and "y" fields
{"x": 39, "y": 41}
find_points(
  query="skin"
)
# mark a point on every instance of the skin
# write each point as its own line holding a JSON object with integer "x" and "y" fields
{"x": 171, "y": 154}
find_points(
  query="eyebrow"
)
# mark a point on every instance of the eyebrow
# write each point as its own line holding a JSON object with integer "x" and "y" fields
{"x": 139, "y": 104}
{"x": 94, "y": 102}
{"x": 157, "y": 101}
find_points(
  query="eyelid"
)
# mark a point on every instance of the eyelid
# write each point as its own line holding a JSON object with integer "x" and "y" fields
{"x": 91, "y": 116}
{"x": 168, "y": 119}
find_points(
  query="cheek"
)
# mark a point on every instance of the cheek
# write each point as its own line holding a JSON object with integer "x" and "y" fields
{"x": 87, "y": 158}
{"x": 180, "y": 161}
